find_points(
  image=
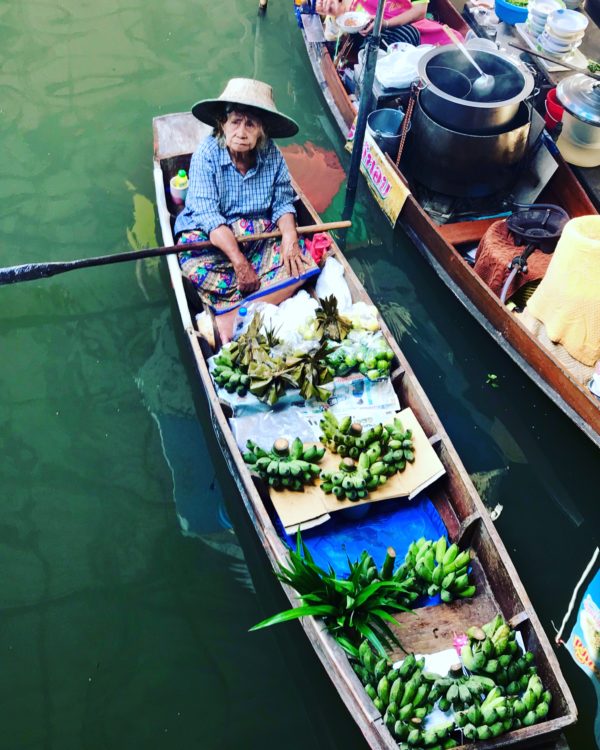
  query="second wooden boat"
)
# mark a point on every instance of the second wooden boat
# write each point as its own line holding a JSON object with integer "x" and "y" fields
{"x": 445, "y": 245}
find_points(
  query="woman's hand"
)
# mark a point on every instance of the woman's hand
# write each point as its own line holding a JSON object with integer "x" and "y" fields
{"x": 247, "y": 280}
{"x": 293, "y": 260}
{"x": 223, "y": 238}
{"x": 368, "y": 29}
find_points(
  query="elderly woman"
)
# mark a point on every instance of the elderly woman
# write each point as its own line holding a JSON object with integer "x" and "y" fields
{"x": 400, "y": 17}
{"x": 239, "y": 184}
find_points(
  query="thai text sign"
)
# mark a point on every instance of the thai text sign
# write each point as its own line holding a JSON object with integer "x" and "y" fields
{"x": 387, "y": 188}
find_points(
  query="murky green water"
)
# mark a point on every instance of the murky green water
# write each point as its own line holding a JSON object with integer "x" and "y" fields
{"x": 125, "y": 598}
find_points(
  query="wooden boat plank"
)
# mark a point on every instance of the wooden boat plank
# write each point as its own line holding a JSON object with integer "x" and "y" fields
{"x": 456, "y": 499}
{"x": 465, "y": 231}
{"x": 438, "y": 625}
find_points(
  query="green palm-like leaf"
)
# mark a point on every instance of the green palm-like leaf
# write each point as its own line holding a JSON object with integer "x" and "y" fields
{"x": 347, "y": 645}
{"x": 293, "y": 614}
{"x": 367, "y": 593}
{"x": 384, "y": 615}
{"x": 352, "y": 608}
{"x": 370, "y": 635}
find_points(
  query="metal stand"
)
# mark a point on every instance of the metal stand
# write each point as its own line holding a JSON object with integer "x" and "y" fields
{"x": 364, "y": 110}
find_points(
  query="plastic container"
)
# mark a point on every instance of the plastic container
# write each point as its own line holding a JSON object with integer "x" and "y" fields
{"x": 385, "y": 125}
{"x": 178, "y": 187}
{"x": 509, "y": 13}
{"x": 554, "y": 110}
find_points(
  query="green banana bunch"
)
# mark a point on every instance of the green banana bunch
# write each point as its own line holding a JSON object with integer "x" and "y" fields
{"x": 231, "y": 378}
{"x": 442, "y": 569}
{"x": 352, "y": 480}
{"x": 285, "y": 467}
{"x": 533, "y": 705}
{"x": 347, "y": 437}
{"x": 480, "y": 654}
{"x": 413, "y": 588}
{"x": 488, "y": 720}
{"x": 402, "y": 695}
{"x": 367, "y": 657}
{"x": 399, "y": 444}
{"x": 413, "y": 737}
{"x": 493, "y": 650}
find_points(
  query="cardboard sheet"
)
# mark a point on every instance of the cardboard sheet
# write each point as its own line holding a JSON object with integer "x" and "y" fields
{"x": 312, "y": 507}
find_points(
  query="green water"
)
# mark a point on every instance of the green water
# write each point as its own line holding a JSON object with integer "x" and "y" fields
{"x": 125, "y": 598}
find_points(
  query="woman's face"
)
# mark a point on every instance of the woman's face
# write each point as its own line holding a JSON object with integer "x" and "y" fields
{"x": 242, "y": 131}
{"x": 330, "y": 7}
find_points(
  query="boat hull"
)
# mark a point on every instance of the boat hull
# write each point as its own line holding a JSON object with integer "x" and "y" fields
{"x": 454, "y": 497}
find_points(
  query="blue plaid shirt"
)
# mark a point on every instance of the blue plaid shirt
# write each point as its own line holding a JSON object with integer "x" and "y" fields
{"x": 219, "y": 194}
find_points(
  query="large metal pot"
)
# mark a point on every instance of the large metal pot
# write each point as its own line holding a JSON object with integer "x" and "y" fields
{"x": 447, "y": 99}
{"x": 466, "y": 164}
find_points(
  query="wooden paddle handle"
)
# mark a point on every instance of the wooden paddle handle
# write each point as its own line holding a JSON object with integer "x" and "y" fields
{"x": 31, "y": 271}
{"x": 313, "y": 229}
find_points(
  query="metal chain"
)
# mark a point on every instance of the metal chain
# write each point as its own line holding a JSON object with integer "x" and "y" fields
{"x": 414, "y": 91}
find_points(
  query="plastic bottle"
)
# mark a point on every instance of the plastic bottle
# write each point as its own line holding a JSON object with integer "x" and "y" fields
{"x": 241, "y": 322}
{"x": 179, "y": 187}
{"x": 181, "y": 179}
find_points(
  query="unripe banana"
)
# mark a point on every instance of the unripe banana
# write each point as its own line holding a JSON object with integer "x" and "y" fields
{"x": 450, "y": 555}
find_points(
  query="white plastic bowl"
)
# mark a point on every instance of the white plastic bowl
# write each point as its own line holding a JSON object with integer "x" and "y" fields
{"x": 353, "y": 22}
{"x": 549, "y": 45}
{"x": 567, "y": 23}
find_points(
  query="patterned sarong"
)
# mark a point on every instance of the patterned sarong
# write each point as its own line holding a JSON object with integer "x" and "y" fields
{"x": 213, "y": 276}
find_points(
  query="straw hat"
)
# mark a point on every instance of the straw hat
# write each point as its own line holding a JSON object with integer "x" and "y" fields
{"x": 250, "y": 93}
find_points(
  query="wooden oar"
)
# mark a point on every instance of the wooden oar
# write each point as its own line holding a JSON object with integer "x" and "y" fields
{"x": 32, "y": 271}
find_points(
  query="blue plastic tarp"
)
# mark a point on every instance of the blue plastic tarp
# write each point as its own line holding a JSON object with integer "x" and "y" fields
{"x": 389, "y": 523}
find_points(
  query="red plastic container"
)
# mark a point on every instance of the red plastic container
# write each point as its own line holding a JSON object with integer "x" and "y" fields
{"x": 554, "y": 110}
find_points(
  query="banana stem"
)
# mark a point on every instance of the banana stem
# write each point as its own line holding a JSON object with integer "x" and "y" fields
{"x": 388, "y": 564}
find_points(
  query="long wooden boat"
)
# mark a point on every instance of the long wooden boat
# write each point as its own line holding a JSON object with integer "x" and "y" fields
{"x": 444, "y": 247}
{"x": 499, "y": 589}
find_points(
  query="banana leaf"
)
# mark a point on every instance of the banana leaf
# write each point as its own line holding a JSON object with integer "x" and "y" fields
{"x": 330, "y": 325}
{"x": 270, "y": 378}
{"x": 310, "y": 370}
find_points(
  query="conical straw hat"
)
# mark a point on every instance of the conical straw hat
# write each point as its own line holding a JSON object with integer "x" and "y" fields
{"x": 250, "y": 93}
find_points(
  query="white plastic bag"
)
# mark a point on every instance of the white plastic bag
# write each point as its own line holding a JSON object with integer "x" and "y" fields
{"x": 399, "y": 67}
{"x": 295, "y": 314}
{"x": 332, "y": 281}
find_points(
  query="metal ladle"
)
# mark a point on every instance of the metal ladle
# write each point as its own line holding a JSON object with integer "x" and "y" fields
{"x": 484, "y": 82}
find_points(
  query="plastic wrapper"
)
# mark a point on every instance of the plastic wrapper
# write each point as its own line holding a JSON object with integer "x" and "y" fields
{"x": 364, "y": 351}
{"x": 367, "y": 402}
{"x": 264, "y": 427}
{"x": 296, "y": 318}
{"x": 363, "y": 316}
{"x": 332, "y": 281}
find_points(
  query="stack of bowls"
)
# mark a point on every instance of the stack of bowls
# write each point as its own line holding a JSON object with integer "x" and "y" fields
{"x": 537, "y": 13}
{"x": 563, "y": 32}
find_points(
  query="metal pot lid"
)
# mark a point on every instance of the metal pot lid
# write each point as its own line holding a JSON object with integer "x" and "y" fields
{"x": 580, "y": 95}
